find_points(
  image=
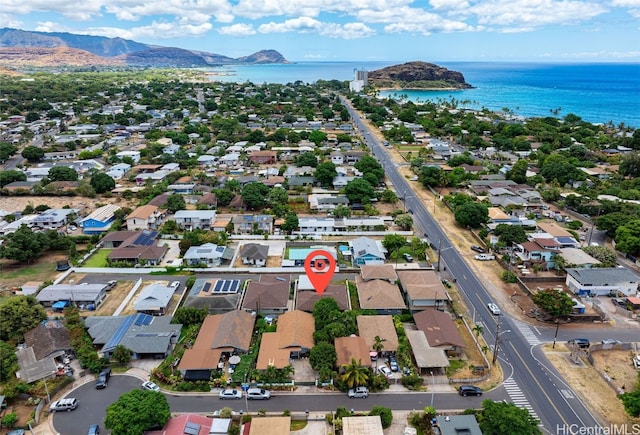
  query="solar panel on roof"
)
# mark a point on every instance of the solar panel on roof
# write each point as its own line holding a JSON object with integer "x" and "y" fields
{"x": 225, "y": 286}
{"x": 191, "y": 428}
{"x": 147, "y": 320}
{"x": 218, "y": 286}
{"x": 207, "y": 287}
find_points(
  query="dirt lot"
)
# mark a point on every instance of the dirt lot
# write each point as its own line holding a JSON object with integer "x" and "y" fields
{"x": 587, "y": 381}
{"x": 16, "y": 274}
{"x": 85, "y": 205}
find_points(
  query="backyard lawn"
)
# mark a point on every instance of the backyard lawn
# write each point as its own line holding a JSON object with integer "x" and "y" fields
{"x": 98, "y": 259}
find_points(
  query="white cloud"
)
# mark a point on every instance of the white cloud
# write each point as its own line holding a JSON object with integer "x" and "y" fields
{"x": 511, "y": 15}
{"x": 255, "y": 9}
{"x": 157, "y": 30}
{"x": 237, "y": 30}
{"x": 449, "y": 4}
{"x": 7, "y": 20}
{"x": 311, "y": 25}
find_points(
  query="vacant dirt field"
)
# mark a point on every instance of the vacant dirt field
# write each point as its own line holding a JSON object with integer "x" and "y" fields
{"x": 16, "y": 274}
{"x": 85, "y": 205}
{"x": 590, "y": 386}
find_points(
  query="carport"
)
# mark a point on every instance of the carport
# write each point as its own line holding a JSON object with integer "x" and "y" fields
{"x": 427, "y": 357}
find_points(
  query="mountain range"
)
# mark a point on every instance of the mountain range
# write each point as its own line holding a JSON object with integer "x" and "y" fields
{"x": 44, "y": 49}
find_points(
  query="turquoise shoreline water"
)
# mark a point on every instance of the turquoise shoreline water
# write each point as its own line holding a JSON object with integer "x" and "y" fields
{"x": 599, "y": 93}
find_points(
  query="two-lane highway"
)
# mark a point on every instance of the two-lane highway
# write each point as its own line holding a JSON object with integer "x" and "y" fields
{"x": 530, "y": 380}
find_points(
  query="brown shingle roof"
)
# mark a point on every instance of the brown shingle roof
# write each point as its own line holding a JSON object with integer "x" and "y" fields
{"x": 383, "y": 271}
{"x": 422, "y": 284}
{"x": 306, "y": 299}
{"x": 268, "y": 293}
{"x": 379, "y": 294}
{"x": 138, "y": 253}
{"x": 219, "y": 333}
{"x": 382, "y": 326}
{"x": 438, "y": 327}
{"x": 352, "y": 347}
{"x": 294, "y": 333}
{"x": 208, "y": 199}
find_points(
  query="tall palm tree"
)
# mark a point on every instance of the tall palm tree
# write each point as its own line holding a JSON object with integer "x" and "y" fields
{"x": 355, "y": 373}
{"x": 378, "y": 344}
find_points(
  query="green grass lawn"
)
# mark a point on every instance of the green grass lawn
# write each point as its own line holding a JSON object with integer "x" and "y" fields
{"x": 98, "y": 259}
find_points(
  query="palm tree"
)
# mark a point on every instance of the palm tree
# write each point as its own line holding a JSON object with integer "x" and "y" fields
{"x": 355, "y": 373}
{"x": 478, "y": 329}
{"x": 378, "y": 344}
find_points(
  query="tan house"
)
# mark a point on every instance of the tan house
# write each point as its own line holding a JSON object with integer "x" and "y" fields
{"x": 422, "y": 289}
{"x": 352, "y": 347}
{"x": 269, "y": 426}
{"x": 145, "y": 217}
{"x": 385, "y": 272}
{"x": 379, "y": 295}
{"x": 292, "y": 339}
{"x": 220, "y": 335}
{"x": 370, "y": 327}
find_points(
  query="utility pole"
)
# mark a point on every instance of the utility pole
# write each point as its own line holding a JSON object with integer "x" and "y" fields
{"x": 439, "y": 250}
{"x": 556, "y": 336}
{"x": 495, "y": 347}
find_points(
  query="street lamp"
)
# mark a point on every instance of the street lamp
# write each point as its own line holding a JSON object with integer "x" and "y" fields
{"x": 496, "y": 346}
{"x": 556, "y": 336}
{"x": 433, "y": 383}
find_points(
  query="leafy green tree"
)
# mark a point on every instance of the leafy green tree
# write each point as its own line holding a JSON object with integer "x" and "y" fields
{"x": 518, "y": 172}
{"x": 404, "y": 221}
{"x": 102, "y": 182}
{"x": 630, "y": 165}
{"x": 628, "y": 237}
{"x": 510, "y": 234}
{"x": 557, "y": 167}
{"x": 8, "y": 362}
{"x": 188, "y": 316}
{"x": 9, "y": 420}
{"x": 176, "y": 202}
{"x": 369, "y": 165}
{"x": 359, "y": 191}
{"x": 277, "y": 196}
{"x": 19, "y": 315}
{"x": 499, "y": 418}
{"x": 325, "y": 311}
{"x": 307, "y": 159}
{"x": 62, "y": 173}
{"x": 472, "y": 214}
{"x": 430, "y": 176}
{"x": 24, "y": 245}
{"x": 325, "y": 173}
{"x": 342, "y": 211}
{"x": 291, "y": 223}
{"x": 6, "y": 151}
{"x": 33, "y": 154}
{"x": 393, "y": 242}
{"x": 631, "y": 402}
{"x": 388, "y": 196}
{"x": 317, "y": 137}
{"x": 7, "y": 177}
{"x": 322, "y": 355}
{"x": 255, "y": 195}
{"x": 611, "y": 221}
{"x": 122, "y": 354}
{"x": 223, "y": 196}
{"x": 137, "y": 411}
{"x": 386, "y": 415}
{"x": 555, "y": 303}
{"x": 604, "y": 255}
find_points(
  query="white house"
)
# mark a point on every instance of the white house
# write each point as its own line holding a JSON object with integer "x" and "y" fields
{"x": 192, "y": 219}
{"x": 602, "y": 281}
{"x": 133, "y": 155}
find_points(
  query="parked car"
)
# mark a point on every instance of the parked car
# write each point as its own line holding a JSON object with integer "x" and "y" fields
{"x": 150, "y": 386}
{"x": 16, "y": 432}
{"x": 407, "y": 257}
{"x": 94, "y": 429}
{"x": 175, "y": 285}
{"x": 359, "y": 393}
{"x": 258, "y": 394}
{"x": 64, "y": 405}
{"x": 230, "y": 394}
{"x": 477, "y": 249}
{"x": 393, "y": 364}
{"x": 111, "y": 284}
{"x": 582, "y": 343}
{"x": 103, "y": 378}
{"x": 610, "y": 341}
{"x": 493, "y": 308}
{"x": 386, "y": 371}
{"x": 485, "y": 257}
{"x": 469, "y": 390}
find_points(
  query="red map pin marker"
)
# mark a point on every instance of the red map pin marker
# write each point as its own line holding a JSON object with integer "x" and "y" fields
{"x": 319, "y": 266}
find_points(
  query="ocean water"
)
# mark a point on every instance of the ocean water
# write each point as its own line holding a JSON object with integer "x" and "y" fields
{"x": 597, "y": 92}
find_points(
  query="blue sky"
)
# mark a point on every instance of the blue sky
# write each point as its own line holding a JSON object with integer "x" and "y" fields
{"x": 356, "y": 30}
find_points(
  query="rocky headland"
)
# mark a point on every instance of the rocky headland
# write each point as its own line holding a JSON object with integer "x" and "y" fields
{"x": 417, "y": 75}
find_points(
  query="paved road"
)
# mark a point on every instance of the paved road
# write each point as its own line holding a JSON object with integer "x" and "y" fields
{"x": 530, "y": 380}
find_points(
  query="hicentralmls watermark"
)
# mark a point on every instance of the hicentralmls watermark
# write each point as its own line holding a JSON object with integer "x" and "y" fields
{"x": 613, "y": 429}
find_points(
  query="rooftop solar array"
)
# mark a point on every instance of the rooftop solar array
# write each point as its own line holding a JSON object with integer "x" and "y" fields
{"x": 207, "y": 287}
{"x": 143, "y": 319}
{"x": 192, "y": 428}
{"x": 226, "y": 286}
{"x": 146, "y": 238}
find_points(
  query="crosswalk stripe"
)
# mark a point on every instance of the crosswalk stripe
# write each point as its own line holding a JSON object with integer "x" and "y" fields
{"x": 517, "y": 397}
{"x": 526, "y": 331}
